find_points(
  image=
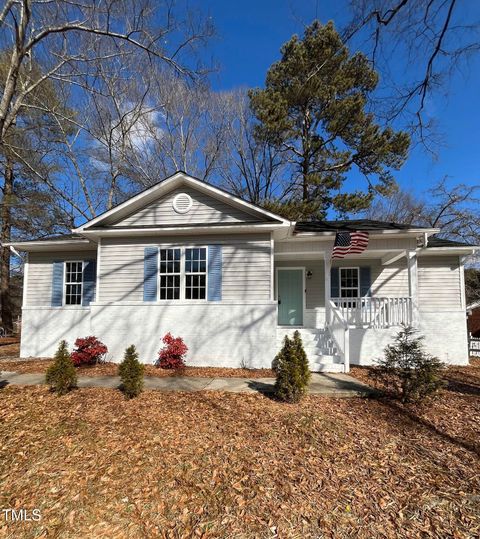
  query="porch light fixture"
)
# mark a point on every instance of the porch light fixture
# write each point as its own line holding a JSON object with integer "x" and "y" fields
{"x": 309, "y": 274}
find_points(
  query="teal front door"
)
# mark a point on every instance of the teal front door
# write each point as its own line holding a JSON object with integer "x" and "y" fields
{"x": 290, "y": 297}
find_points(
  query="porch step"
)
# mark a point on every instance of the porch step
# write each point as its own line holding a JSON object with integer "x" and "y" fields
{"x": 319, "y": 347}
{"x": 327, "y": 367}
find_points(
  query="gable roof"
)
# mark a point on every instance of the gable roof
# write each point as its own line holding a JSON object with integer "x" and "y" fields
{"x": 434, "y": 241}
{"x": 180, "y": 178}
{"x": 353, "y": 225}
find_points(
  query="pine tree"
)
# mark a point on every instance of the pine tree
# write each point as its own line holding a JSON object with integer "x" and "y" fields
{"x": 314, "y": 109}
{"x": 61, "y": 376}
{"x": 131, "y": 372}
{"x": 407, "y": 370}
{"x": 302, "y": 358}
{"x": 291, "y": 365}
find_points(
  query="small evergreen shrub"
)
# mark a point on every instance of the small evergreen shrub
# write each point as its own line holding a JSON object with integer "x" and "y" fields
{"x": 61, "y": 376}
{"x": 131, "y": 371}
{"x": 88, "y": 351}
{"x": 172, "y": 355}
{"x": 407, "y": 371}
{"x": 291, "y": 367}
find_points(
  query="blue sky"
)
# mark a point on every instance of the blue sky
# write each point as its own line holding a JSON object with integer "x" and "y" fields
{"x": 251, "y": 32}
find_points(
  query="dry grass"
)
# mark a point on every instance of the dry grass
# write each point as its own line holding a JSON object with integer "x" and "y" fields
{"x": 223, "y": 465}
{"x": 9, "y": 347}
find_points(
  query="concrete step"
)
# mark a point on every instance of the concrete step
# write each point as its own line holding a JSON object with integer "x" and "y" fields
{"x": 327, "y": 367}
{"x": 319, "y": 347}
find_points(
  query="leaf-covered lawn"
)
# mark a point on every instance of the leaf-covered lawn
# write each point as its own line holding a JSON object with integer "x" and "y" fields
{"x": 212, "y": 464}
{"x": 111, "y": 369}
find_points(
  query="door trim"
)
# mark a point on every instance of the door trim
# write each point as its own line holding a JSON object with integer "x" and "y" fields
{"x": 304, "y": 294}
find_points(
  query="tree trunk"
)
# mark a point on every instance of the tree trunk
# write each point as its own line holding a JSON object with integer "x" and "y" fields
{"x": 6, "y": 227}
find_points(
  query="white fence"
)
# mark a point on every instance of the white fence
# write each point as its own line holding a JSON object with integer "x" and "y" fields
{"x": 474, "y": 346}
{"x": 375, "y": 312}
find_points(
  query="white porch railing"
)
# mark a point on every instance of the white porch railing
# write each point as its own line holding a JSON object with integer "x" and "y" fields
{"x": 339, "y": 331}
{"x": 374, "y": 312}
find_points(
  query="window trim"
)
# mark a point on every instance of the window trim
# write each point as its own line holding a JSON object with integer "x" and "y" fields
{"x": 160, "y": 275}
{"x": 340, "y": 287}
{"x": 64, "y": 292}
{"x": 195, "y": 273}
{"x": 183, "y": 279}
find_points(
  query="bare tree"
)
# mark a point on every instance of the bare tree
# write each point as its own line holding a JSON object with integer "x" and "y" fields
{"x": 69, "y": 47}
{"x": 65, "y": 37}
{"x": 454, "y": 209}
{"x": 186, "y": 127}
{"x": 251, "y": 168}
{"x": 415, "y": 45}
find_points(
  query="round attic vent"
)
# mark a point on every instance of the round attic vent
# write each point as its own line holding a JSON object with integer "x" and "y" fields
{"x": 182, "y": 203}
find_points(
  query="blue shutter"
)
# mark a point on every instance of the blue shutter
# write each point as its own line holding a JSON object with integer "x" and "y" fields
{"x": 214, "y": 292}
{"x": 150, "y": 270}
{"x": 365, "y": 281}
{"x": 57, "y": 283}
{"x": 334, "y": 283}
{"x": 89, "y": 281}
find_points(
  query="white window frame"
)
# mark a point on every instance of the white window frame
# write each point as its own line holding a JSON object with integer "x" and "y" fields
{"x": 340, "y": 287}
{"x": 160, "y": 275}
{"x": 65, "y": 283}
{"x": 183, "y": 273}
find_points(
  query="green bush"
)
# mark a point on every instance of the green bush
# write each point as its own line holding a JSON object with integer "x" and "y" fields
{"x": 61, "y": 376}
{"x": 291, "y": 366}
{"x": 131, "y": 371}
{"x": 407, "y": 371}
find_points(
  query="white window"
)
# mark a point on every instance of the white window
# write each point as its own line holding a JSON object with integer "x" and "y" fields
{"x": 196, "y": 273}
{"x": 349, "y": 283}
{"x": 73, "y": 282}
{"x": 170, "y": 273}
{"x": 182, "y": 273}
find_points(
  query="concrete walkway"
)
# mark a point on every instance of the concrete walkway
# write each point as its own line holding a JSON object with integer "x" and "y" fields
{"x": 334, "y": 385}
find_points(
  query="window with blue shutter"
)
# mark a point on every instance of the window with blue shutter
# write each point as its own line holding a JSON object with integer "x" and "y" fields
{"x": 334, "y": 283}
{"x": 365, "y": 281}
{"x": 214, "y": 273}
{"x": 89, "y": 281}
{"x": 57, "y": 283}
{"x": 150, "y": 274}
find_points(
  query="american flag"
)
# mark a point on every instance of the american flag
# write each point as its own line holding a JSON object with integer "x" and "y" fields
{"x": 347, "y": 243}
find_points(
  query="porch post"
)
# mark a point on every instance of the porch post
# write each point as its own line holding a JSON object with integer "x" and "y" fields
{"x": 327, "y": 266}
{"x": 413, "y": 285}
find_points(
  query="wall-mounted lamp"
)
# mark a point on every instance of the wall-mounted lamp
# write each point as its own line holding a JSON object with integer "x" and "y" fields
{"x": 309, "y": 274}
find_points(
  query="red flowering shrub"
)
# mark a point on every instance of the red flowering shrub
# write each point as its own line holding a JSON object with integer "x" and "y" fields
{"x": 88, "y": 351}
{"x": 171, "y": 356}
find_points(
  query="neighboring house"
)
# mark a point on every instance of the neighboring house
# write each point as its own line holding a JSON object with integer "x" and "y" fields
{"x": 473, "y": 319}
{"x": 232, "y": 279}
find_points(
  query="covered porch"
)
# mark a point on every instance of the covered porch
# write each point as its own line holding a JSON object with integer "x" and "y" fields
{"x": 335, "y": 302}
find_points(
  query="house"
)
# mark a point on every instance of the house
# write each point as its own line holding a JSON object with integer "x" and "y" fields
{"x": 473, "y": 319}
{"x": 232, "y": 279}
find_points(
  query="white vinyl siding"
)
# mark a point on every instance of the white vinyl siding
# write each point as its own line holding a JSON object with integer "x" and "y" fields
{"x": 245, "y": 273}
{"x": 315, "y": 247}
{"x": 205, "y": 209}
{"x": 387, "y": 281}
{"x": 315, "y": 286}
{"x": 40, "y": 267}
{"x": 439, "y": 283}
